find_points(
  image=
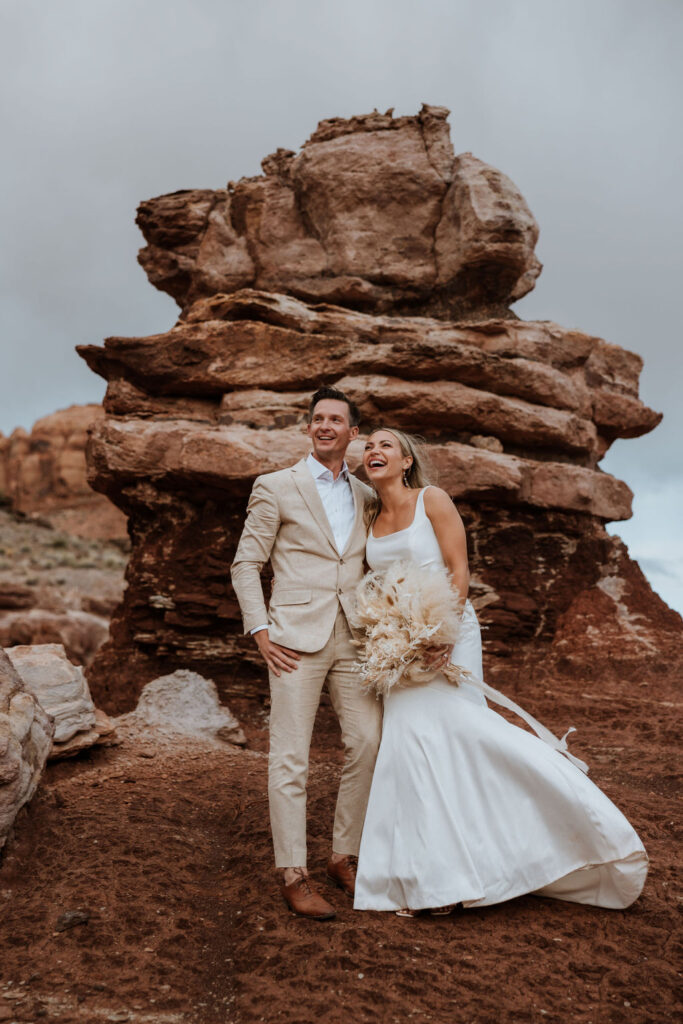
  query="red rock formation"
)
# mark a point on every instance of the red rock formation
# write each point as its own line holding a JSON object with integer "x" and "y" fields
{"x": 422, "y": 253}
{"x": 44, "y": 473}
{"x": 374, "y": 213}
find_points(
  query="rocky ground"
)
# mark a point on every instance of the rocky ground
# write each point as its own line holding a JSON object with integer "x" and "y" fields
{"x": 138, "y": 887}
{"x": 56, "y": 588}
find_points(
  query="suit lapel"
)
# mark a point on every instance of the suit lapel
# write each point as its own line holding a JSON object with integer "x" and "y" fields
{"x": 359, "y": 505}
{"x": 309, "y": 492}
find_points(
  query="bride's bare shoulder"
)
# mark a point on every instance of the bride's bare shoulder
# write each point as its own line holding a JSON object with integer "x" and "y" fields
{"x": 438, "y": 502}
{"x": 435, "y": 497}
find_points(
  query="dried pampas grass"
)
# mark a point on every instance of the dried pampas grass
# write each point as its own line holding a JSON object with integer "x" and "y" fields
{"x": 402, "y": 612}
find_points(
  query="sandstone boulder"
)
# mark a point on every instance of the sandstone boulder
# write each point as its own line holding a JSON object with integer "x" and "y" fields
{"x": 62, "y": 691}
{"x": 184, "y": 704}
{"x": 374, "y": 213}
{"x": 25, "y": 739}
{"x": 58, "y": 686}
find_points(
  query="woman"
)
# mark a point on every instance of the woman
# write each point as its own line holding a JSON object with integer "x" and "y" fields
{"x": 465, "y": 807}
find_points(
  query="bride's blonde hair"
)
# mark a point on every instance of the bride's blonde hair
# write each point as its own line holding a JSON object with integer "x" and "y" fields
{"x": 414, "y": 477}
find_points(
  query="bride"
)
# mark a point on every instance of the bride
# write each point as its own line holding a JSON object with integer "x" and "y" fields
{"x": 465, "y": 807}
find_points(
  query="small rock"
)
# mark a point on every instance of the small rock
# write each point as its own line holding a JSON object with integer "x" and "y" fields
{"x": 71, "y": 918}
{"x": 488, "y": 443}
{"x": 184, "y": 704}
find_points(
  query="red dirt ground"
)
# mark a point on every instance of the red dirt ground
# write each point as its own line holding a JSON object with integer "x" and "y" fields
{"x": 168, "y": 848}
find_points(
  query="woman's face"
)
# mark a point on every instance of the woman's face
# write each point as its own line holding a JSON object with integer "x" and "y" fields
{"x": 383, "y": 459}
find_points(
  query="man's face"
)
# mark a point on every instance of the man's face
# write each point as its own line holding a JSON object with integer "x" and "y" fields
{"x": 330, "y": 430}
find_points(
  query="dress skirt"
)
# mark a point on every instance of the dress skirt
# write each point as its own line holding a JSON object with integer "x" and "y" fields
{"x": 466, "y": 807}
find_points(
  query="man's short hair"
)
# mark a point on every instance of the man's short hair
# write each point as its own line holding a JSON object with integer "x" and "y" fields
{"x": 338, "y": 396}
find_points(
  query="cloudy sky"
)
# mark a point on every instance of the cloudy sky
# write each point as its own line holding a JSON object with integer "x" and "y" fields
{"x": 108, "y": 102}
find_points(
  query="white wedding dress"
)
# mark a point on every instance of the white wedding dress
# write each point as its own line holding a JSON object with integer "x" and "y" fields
{"x": 465, "y": 807}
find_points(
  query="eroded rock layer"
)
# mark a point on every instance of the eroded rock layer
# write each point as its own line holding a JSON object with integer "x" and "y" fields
{"x": 421, "y": 253}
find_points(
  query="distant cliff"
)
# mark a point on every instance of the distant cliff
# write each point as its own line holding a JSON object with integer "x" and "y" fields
{"x": 44, "y": 473}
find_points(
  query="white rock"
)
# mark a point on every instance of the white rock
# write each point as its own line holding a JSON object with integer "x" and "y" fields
{"x": 185, "y": 703}
{"x": 25, "y": 741}
{"x": 59, "y": 687}
{"x": 21, "y": 714}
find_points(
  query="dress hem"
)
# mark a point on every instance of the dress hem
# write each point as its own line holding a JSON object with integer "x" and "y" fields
{"x": 447, "y": 897}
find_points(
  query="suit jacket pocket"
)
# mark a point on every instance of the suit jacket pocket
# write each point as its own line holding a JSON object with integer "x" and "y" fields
{"x": 281, "y": 597}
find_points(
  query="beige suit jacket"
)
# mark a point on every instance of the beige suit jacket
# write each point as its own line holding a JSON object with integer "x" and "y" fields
{"x": 286, "y": 523}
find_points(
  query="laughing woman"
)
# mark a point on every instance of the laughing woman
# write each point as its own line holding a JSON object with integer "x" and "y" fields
{"x": 465, "y": 807}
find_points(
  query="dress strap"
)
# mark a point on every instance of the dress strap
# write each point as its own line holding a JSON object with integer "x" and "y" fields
{"x": 420, "y": 504}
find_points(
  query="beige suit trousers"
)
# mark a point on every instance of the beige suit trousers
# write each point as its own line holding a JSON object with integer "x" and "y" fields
{"x": 295, "y": 697}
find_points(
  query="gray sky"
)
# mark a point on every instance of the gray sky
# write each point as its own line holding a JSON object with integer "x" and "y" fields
{"x": 108, "y": 102}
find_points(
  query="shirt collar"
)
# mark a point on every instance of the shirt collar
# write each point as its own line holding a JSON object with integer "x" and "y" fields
{"x": 318, "y": 470}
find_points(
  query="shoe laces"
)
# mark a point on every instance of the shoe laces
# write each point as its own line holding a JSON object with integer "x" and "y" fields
{"x": 303, "y": 882}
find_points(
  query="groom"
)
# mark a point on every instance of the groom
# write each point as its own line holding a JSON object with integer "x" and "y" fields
{"x": 308, "y": 520}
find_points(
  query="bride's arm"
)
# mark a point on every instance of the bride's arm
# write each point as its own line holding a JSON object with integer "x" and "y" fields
{"x": 450, "y": 533}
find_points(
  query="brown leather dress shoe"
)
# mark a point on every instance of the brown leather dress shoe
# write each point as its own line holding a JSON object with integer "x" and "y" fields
{"x": 343, "y": 873}
{"x": 304, "y": 899}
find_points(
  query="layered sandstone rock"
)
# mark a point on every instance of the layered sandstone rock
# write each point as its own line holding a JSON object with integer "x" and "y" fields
{"x": 374, "y": 213}
{"x": 421, "y": 253}
{"x": 62, "y": 691}
{"x": 44, "y": 473}
{"x": 25, "y": 739}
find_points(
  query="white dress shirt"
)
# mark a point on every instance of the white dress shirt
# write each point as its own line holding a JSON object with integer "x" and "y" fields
{"x": 337, "y": 498}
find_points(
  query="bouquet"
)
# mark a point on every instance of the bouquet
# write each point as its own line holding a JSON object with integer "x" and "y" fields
{"x": 402, "y": 612}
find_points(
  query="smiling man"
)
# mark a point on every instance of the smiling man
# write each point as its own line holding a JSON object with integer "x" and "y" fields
{"x": 308, "y": 520}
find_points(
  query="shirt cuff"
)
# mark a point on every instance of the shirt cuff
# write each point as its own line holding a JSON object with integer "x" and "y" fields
{"x": 257, "y": 629}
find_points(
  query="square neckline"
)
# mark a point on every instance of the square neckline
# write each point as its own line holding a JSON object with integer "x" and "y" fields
{"x": 405, "y": 528}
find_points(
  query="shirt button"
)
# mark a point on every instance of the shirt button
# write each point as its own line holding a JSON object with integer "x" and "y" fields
{"x": 341, "y": 561}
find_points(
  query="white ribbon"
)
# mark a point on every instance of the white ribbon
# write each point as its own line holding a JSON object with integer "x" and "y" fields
{"x": 543, "y": 734}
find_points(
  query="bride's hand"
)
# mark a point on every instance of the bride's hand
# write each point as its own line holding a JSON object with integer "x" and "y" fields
{"x": 438, "y": 656}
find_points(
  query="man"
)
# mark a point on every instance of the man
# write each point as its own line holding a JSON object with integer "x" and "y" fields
{"x": 308, "y": 519}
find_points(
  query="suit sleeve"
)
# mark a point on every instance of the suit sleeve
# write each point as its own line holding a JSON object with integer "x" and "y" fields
{"x": 253, "y": 551}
